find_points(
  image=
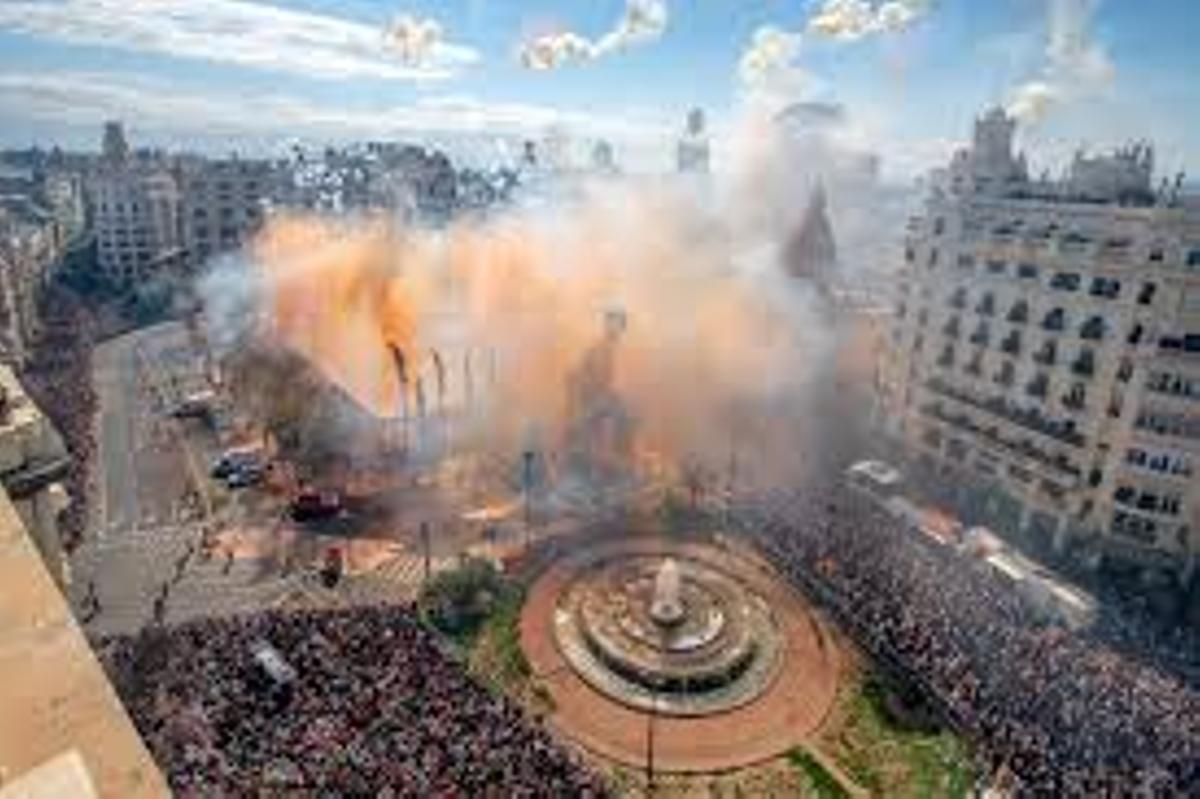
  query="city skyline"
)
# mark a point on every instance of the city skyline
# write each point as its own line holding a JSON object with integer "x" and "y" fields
{"x": 256, "y": 75}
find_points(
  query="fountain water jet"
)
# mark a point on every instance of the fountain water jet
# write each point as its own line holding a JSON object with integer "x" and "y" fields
{"x": 666, "y": 606}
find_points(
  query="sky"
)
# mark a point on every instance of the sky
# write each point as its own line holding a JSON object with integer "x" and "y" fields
{"x": 910, "y": 74}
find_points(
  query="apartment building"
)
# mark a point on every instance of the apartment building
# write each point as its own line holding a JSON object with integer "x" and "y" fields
{"x": 134, "y": 211}
{"x": 1045, "y": 348}
{"x": 222, "y": 204}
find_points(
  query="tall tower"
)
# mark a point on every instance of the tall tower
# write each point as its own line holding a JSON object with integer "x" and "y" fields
{"x": 811, "y": 252}
{"x": 692, "y": 151}
{"x": 115, "y": 148}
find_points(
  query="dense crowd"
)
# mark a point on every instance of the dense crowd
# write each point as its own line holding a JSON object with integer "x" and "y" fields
{"x": 375, "y": 708}
{"x": 1063, "y": 712}
{"x": 59, "y": 380}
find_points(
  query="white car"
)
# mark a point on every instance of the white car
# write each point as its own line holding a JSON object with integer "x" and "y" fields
{"x": 875, "y": 478}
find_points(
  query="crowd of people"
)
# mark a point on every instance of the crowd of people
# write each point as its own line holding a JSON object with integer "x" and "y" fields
{"x": 59, "y": 380}
{"x": 366, "y": 704}
{"x": 1064, "y": 713}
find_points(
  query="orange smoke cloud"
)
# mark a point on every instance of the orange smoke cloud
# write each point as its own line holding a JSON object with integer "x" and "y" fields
{"x": 703, "y": 342}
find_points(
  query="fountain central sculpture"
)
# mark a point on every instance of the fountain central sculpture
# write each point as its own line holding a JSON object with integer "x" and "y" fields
{"x": 666, "y": 605}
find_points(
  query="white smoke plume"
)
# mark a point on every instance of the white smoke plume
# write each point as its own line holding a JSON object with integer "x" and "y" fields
{"x": 642, "y": 21}
{"x": 414, "y": 39}
{"x": 553, "y": 50}
{"x": 850, "y": 20}
{"x": 1076, "y": 64}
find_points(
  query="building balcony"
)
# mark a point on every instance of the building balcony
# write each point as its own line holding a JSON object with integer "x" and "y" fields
{"x": 1030, "y": 419}
{"x": 1022, "y": 451}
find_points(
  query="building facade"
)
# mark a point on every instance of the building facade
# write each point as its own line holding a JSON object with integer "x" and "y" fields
{"x": 40, "y": 217}
{"x": 222, "y": 204}
{"x": 1046, "y": 348}
{"x": 134, "y": 211}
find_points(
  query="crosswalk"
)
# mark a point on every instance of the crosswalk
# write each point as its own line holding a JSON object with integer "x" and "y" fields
{"x": 216, "y": 587}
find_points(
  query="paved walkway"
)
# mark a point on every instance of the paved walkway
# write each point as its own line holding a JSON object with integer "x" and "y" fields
{"x": 787, "y": 713}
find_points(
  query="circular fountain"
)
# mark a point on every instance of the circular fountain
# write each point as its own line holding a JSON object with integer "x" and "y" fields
{"x": 674, "y": 634}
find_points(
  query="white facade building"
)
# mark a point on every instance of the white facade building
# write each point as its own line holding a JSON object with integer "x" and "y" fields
{"x": 1046, "y": 347}
{"x": 135, "y": 217}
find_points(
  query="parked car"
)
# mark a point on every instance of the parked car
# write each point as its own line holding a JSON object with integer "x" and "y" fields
{"x": 197, "y": 405}
{"x": 244, "y": 475}
{"x": 234, "y": 459}
{"x": 313, "y": 505}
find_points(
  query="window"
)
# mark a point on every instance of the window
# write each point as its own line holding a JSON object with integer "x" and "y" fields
{"x": 1027, "y": 272}
{"x": 1019, "y": 313}
{"x": 1146, "y": 295}
{"x": 1136, "y": 334}
{"x": 1106, "y": 287}
{"x": 1006, "y": 375}
{"x": 1065, "y": 281}
{"x": 1092, "y": 329}
{"x": 939, "y": 226}
{"x": 1012, "y": 344}
{"x": 987, "y": 304}
{"x": 1055, "y": 320}
{"x": 1193, "y": 257}
{"x": 996, "y": 268}
{"x": 1076, "y": 397}
{"x": 1125, "y": 370}
{"x": 966, "y": 262}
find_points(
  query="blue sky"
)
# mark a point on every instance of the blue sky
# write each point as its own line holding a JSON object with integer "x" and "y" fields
{"x": 910, "y": 73}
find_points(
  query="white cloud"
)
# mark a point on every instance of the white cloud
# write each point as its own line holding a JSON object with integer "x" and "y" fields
{"x": 849, "y": 20}
{"x": 238, "y": 32}
{"x": 1076, "y": 65}
{"x": 82, "y": 100}
{"x": 641, "y": 22}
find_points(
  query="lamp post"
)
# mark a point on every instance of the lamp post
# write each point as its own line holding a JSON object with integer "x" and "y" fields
{"x": 527, "y": 489}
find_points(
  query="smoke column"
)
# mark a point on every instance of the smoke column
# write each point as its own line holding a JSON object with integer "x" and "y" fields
{"x": 714, "y": 348}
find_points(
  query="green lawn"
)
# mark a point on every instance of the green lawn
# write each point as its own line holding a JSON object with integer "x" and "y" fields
{"x": 821, "y": 784}
{"x": 889, "y": 758}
